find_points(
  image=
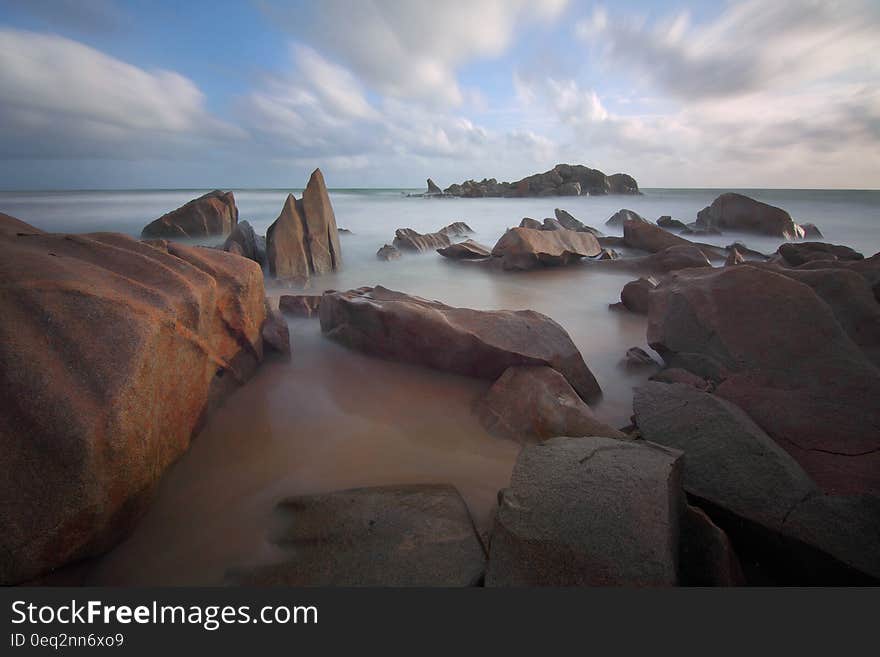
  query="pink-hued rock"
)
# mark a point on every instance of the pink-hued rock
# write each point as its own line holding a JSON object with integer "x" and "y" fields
{"x": 526, "y": 248}
{"x": 215, "y": 213}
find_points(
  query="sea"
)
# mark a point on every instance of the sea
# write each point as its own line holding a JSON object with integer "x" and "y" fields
{"x": 332, "y": 418}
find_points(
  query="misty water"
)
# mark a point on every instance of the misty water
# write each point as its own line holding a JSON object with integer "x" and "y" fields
{"x": 334, "y": 418}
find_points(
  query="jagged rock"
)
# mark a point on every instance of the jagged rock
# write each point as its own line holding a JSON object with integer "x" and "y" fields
{"x": 405, "y": 535}
{"x": 474, "y": 343}
{"x": 530, "y": 404}
{"x": 798, "y": 254}
{"x": 618, "y": 218}
{"x": 304, "y": 239}
{"x": 525, "y": 248}
{"x": 275, "y": 333}
{"x": 567, "y": 221}
{"x": 707, "y": 557}
{"x": 112, "y": 354}
{"x": 246, "y": 240}
{"x": 388, "y": 252}
{"x": 300, "y": 305}
{"x": 467, "y": 250}
{"x": 669, "y": 223}
{"x": 589, "y": 512}
{"x": 635, "y": 295}
{"x": 778, "y": 351}
{"x": 432, "y": 187}
{"x": 457, "y": 229}
{"x": 406, "y": 239}
{"x": 739, "y": 212}
{"x": 215, "y": 213}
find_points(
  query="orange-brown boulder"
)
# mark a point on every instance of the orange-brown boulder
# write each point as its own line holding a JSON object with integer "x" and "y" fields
{"x": 112, "y": 353}
{"x": 215, "y": 213}
{"x": 526, "y": 248}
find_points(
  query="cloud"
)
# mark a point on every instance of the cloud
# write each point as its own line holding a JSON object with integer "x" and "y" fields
{"x": 60, "y": 98}
{"x": 752, "y": 46}
{"x": 84, "y": 16}
{"x": 412, "y": 48}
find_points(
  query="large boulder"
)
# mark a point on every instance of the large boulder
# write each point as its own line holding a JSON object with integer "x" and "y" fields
{"x": 407, "y": 535}
{"x": 525, "y": 248}
{"x": 758, "y": 492}
{"x": 798, "y": 254}
{"x": 215, "y": 213}
{"x": 530, "y": 404}
{"x": 112, "y": 354}
{"x": 304, "y": 239}
{"x": 623, "y": 183}
{"x": 589, "y": 512}
{"x": 778, "y": 350}
{"x": 467, "y": 250}
{"x": 641, "y": 234}
{"x": 738, "y": 212}
{"x": 474, "y": 343}
{"x": 407, "y": 239}
{"x": 635, "y": 295}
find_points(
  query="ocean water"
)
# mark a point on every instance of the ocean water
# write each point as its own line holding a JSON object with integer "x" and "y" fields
{"x": 333, "y": 418}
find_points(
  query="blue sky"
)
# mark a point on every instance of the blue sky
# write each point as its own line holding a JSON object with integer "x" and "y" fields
{"x": 129, "y": 94}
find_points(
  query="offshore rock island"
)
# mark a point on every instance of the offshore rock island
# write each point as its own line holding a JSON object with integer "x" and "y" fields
{"x": 561, "y": 180}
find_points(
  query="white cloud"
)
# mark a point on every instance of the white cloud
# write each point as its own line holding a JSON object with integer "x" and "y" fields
{"x": 60, "y": 98}
{"x": 412, "y": 48}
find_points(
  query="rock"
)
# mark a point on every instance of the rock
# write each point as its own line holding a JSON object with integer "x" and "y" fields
{"x": 640, "y": 234}
{"x": 798, "y": 254}
{"x": 405, "y": 535}
{"x": 112, "y": 354}
{"x": 245, "y": 239}
{"x": 635, "y": 295}
{"x": 300, "y": 305}
{"x": 707, "y": 557}
{"x": 432, "y": 187}
{"x": 344, "y": 231}
{"x": 551, "y": 224}
{"x": 406, "y": 239}
{"x": 622, "y": 183}
{"x": 608, "y": 254}
{"x": 215, "y": 213}
{"x": 620, "y": 216}
{"x": 678, "y": 375}
{"x": 286, "y": 246}
{"x": 739, "y": 212}
{"x": 530, "y": 404}
{"x": 569, "y": 189}
{"x": 525, "y": 248}
{"x": 534, "y": 224}
{"x": 474, "y": 343}
{"x": 674, "y": 258}
{"x": 567, "y": 221}
{"x": 457, "y": 229}
{"x": 388, "y": 252}
{"x": 467, "y": 250}
{"x": 669, "y": 223}
{"x": 734, "y": 257}
{"x": 779, "y": 351}
{"x": 589, "y": 512}
{"x": 638, "y": 357}
{"x": 276, "y": 333}
{"x": 325, "y": 254}
{"x": 694, "y": 228}
{"x": 767, "y": 502}
{"x": 811, "y": 232}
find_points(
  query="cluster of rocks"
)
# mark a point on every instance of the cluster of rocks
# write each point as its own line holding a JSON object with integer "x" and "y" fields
{"x": 561, "y": 180}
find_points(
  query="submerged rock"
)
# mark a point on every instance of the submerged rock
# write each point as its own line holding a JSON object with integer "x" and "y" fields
{"x": 536, "y": 403}
{"x": 475, "y": 343}
{"x": 300, "y": 305}
{"x": 405, "y": 535}
{"x": 406, "y": 239}
{"x": 640, "y": 234}
{"x": 635, "y": 295}
{"x": 215, "y": 213}
{"x": 798, "y": 254}
{"x": 669, "y": 223}
{"x": 619, "y": 217}
{"x": 525, "y": 248}
{"x": 738, "y": 212}
{"x": 589, "y": 512}
{"x": 566, "y": 220}
{"x": 275, "y": 333}
{"x": 388, "y": 252}
{"x": 112, "y": 354}
{"x": 467, "y": 250}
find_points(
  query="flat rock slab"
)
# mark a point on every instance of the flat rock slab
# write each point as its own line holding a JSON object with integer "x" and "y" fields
{"x": 413, "y": 535}
{"x": 475, "y": 343}
{"x": 530, "y": 404}
{"x": 467, "y": 250}
{"x": 589, "y": 512}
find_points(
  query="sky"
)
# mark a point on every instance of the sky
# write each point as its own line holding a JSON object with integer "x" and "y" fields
{"x": 131, "y": 94}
